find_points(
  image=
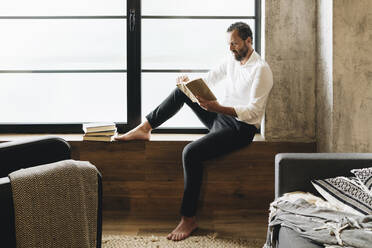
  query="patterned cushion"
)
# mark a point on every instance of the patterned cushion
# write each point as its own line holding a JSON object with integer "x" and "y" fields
{"x": 364, "y": 176}
{"x": 345, "y": 193}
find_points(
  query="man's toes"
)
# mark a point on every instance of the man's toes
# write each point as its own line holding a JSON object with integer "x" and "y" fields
{"x": 182, "y": 236}
{"x": 172, "y": 236}
{"x": 169, "y": 236}
{"x": 175, "y": 237}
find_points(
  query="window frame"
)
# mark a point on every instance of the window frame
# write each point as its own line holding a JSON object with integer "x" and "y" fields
{"x": 133, "y": 71}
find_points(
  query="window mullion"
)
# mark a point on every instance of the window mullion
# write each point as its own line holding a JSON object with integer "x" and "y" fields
{"x": 133, "y": 64}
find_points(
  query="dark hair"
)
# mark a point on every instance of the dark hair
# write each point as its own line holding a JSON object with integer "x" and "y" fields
{"x": 243, "y": 29}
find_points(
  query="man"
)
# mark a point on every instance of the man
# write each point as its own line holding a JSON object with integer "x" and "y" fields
{"x": 231, "y": 124}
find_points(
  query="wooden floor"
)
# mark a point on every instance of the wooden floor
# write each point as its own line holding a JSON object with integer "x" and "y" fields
{"x": 235, "y": 224}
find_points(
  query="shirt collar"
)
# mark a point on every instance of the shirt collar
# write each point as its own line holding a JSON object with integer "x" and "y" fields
{"x": 252, "y": 59}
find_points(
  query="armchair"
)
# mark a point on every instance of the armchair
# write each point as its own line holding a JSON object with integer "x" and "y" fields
{"x": 28, "y": 153}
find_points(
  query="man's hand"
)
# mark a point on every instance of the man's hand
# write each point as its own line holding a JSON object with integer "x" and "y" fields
{"x": 212, "y": 106}
{"x": 182, "y": 78}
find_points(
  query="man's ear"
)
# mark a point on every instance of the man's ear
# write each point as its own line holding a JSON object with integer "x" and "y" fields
{"x": 248, "y": 41}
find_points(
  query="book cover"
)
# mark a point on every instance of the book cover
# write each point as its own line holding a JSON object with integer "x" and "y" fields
{"x": 98, "y": 138}
{"x": 102, "y": 133}
{"x": 98, "y": 127}
{"x": 197, "y": 87}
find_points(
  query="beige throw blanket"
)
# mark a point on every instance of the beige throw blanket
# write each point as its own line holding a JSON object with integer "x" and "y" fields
{"x": 56, "y": 205}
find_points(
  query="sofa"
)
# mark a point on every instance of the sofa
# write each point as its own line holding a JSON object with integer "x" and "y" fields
{"x": 294, "y": 172}
{"x": 16, "y": 155}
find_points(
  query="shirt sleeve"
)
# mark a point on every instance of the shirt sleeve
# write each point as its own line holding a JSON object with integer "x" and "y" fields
{"x": 261, "y": 87}
{"x": 216, "y": 74}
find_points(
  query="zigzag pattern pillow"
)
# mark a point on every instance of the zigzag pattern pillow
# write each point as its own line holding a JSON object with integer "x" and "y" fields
{"x": 346, "y": 194}
{"x": 364, "y": 176}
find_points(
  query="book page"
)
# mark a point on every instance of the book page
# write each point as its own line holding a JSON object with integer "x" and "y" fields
{"x": 184, "y": 89}
{"x": 199, "y": 88}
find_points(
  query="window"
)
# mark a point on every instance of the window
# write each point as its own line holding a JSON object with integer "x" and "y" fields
{"x": 65, "y": 63}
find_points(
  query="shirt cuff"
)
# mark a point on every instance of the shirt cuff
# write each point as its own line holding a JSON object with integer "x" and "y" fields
{"x": 240, "y": 110}
{"x": 244, "y": 114}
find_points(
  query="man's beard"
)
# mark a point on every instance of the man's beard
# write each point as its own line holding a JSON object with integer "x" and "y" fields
{"x": 240, "y": 54}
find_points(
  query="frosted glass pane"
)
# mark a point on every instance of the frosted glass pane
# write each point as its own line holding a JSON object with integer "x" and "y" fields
{"x": 157, "y": 86}
{"x": 185, "y": 44}
{"x": 63, "y": 44}
{"x": 63, "y": 98}
{"x": 58, "y": 7}
{"x": 197, "y": 7}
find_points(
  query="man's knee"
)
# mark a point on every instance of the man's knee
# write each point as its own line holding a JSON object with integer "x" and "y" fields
{"x": 190, "y": 152}
{"x": 178, "y": 93}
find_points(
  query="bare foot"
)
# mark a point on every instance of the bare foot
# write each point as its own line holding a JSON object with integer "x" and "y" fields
{"x": 186, "y": 226}
{"x": 141, "y": 132}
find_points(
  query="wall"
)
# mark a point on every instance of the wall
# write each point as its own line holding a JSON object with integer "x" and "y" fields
{"x": 320, "y": 53}
{"x": 344, "y": 89}
{"x": 352, "y": 76}
{"x": 290, "y": 50}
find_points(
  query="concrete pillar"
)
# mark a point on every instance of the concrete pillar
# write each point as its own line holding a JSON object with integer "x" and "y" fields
{"x": 290, "y": 50}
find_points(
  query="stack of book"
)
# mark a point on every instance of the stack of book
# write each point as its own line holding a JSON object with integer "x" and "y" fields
{"x": 103, "y": 131}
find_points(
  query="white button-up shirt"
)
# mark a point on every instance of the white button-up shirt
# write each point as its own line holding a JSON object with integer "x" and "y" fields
{"x": 247, "y": 88}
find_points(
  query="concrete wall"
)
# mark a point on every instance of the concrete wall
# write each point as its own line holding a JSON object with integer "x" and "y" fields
{"x": 344, "y": 82}
{"x": 290, "y": 50}
{"x": 320, "y": 53}
{"x": 324, "y": 92}
{"x": 352, "y": 76}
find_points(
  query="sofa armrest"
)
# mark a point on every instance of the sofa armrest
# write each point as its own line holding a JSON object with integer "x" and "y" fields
{"x": 294, "y": 171}
{"x": 31, "y": 152}
{"x": 7, "y": 228}
{"x": 23, "y": 154}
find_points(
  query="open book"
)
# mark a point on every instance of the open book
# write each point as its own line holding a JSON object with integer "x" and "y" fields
{"x": 197, "y": 87}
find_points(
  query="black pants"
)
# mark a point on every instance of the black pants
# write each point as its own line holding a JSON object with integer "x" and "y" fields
{"x": 225, "y": 135}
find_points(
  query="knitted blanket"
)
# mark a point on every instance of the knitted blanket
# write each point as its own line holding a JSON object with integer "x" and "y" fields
{"x": 56, "y": 205}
